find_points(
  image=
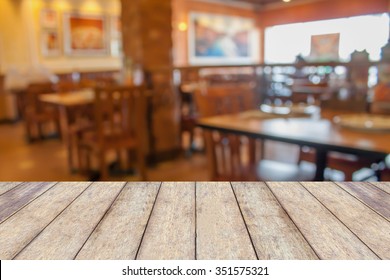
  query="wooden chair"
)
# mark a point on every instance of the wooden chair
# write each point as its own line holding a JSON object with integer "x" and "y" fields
{"x": 120, "y": 121}
{"x": 38, "y": 114}
{"x": 235, "y": 157}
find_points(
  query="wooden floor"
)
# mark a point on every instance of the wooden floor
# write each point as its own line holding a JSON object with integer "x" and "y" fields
{"x": 205, "y": 220}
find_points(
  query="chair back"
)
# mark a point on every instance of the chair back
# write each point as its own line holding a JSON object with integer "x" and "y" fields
{"x": 231, "y": 157}
{"x": 120, "y": 112}
{"x": 32, "y": 104}
{"x": 219, "y": 100}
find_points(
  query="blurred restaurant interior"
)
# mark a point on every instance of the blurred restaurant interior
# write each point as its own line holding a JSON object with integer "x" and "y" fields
{"x": 194, "y": 90}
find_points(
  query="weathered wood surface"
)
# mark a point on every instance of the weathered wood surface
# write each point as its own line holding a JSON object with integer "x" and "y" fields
{"x": 174, "y": 216}
{"x": 16, "y": 198}
{"x": 273, "y": 233}
{"x": 119, "y": 234}
{"x": 32, "y": 219}
{"x": 6, "y": 186}
{"x": 328, "y": 236}
{"x": 65, "y": 236}
{"x": 184, "y": 220}
{"x": 370, "y": 195}
{"x": 360, "y": 219}
{"x": 384, "y": 186}
{"x": 220, "y": 229}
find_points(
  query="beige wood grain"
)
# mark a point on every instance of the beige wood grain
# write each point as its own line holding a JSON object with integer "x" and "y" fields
{"x": 365, "y": 223}
{"x": 384, "y": 186}
{"x": 6, "y": 186}
{"x": 17, "y": 231}
{"x": 370, "y": 195}
{"x": 327, "y": 235}
{"x": 221, "y": 231}
{"x": 16, "y": 198}
{"x": 273, "y": 233}
{"x": 119, "y": 234}
{"x": 170, "y": 233}
{"x": 65, "y": 236}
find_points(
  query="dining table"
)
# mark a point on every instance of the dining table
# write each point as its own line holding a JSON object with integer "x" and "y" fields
{"x": 318, "y": 131}
{"x": 68, "y": 104}
{"x": 194, "y": 220}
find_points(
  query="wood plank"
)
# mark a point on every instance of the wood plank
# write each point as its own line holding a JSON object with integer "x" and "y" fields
{"x": 364, "y": 222}
{"x": 170, "y": 233}
{"x": 119, "y": 234}
{"x": 65, "y": 236}
{"x": 327, "y": 235}
{"x": 370, "y": 195}
{"x": 16, "y": 198}
{"x": 384, "y": 186}
{"x": 17, "y": 231}
{"x": 273, "y": 233}
{"x": 6, "y": 186}
{"x": 221, "y": 232}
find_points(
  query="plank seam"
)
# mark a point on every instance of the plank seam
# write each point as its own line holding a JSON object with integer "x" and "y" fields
{"x": 12, "y": 188}
{"x": 334, "y": 215}
{"x": 377, "y": 187}
{"x": 101, "y": 220}
{"x": 147, "y": 223}
{"x": 243, "y": 218}
{"x": 292, "y": 220}
{"x": 39, "y": 233}
{"x": 28, "y": 203}
{"x": 362, "y": 202}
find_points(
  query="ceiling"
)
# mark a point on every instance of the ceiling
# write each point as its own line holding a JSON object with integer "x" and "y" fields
{"x": 264, "y": 3}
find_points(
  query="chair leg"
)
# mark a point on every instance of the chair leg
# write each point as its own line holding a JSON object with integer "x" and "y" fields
{"x": 141, "y": 165}
{"x": 102, "y": 166}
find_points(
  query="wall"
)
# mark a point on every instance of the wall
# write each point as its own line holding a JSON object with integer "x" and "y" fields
{"x": 181, "y": 10}
{"x": 14, "y": 43}
{"x": 20, "y": 34}
{"x": 320, "y": 10}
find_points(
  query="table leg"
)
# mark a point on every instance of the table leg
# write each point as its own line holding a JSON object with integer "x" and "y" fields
{"x": 64, "y": 126}
{"x": 321, "y": 162}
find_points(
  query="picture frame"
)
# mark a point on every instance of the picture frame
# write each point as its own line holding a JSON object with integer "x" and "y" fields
{"x": 219, "y": 39}
{"x": 50, "y": 42}
{"x": 85, "y": 35}
{"x": 49, "y": 19}
{"x": 116, "y": 36}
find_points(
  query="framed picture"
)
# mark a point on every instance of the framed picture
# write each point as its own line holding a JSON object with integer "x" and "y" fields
{"x": 218, "y": 39}
{"x": 116, "y": 36}
{"x": 85, "y": 35}
{"x": 50, "y": 42}
{"x": 49, "y": 19}
{"x": 325, "y": 47}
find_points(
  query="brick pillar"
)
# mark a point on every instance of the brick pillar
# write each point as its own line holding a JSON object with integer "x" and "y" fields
{"x": 147, "y": 42}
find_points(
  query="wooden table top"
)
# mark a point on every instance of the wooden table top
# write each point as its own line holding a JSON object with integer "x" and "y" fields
{"x": 69, "y": 99}
{"x": 314, "y": 132}
{"x": 187, "y": 220}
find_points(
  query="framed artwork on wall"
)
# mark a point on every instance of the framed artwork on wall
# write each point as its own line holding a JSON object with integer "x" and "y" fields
{"x": 85, "y": 35}
{"x": 49, "y": 19}
{"x": 220, "y": 39}
{"x": 116, "y": 36}
{"x": 325, "y": 47}
{"x": 50, "y": 42}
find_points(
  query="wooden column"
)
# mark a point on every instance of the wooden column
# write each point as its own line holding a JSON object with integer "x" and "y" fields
{"x": 147, "y": 43}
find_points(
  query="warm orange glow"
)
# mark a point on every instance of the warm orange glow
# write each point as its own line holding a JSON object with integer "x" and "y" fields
{"x": 286, "y": 1}
{"x": 183, "y": 26}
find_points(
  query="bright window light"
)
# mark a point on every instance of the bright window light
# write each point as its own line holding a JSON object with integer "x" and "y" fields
{"x": 284, "y": 42}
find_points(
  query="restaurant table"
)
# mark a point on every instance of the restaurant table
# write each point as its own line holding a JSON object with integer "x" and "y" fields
{"x": 188, "y": 220}
{"x": 67, "y": 102}
{"x": 319, "y": 133}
